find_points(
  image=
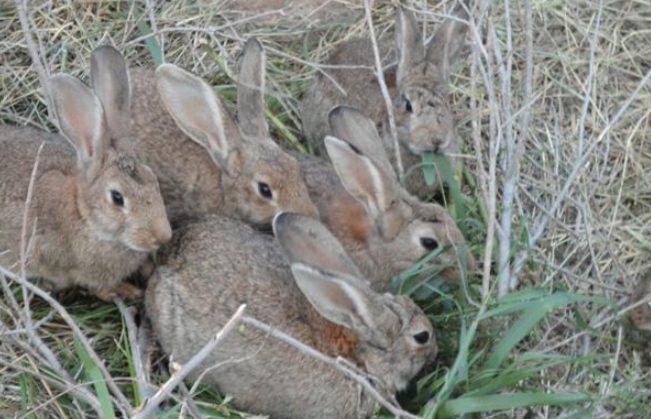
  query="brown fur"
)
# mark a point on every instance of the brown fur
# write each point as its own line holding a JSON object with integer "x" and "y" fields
{"x": 96, "y": 211}
{"x": 386, "y": 244}
{"x": 77, "y": 237}
{"x": 194, "y": 179}
{"x": 215, "y": 264}
{"x": 419, "y": 81}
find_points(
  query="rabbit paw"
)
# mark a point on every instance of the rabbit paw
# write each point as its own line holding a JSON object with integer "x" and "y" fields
{"x": 123, "y": 290}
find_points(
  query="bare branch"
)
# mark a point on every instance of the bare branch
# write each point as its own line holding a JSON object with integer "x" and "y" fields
{"x": 36, "y": 54}
{"x": 379, "y": 73}
{"x": 136, "y": 350}
{"x": 124, "y": 403}
{"x": 339, "y": 364}
{"x": 151, "y": 405}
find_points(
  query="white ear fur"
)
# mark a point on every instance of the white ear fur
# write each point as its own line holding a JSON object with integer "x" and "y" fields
{"x": 351, "y": 125}
{"x": 361, "y": 177}
{"x": 304, "y": 239}
{"x": 335, "y": 297}
{"x": 80, "y": 116}
{"x": 196, "y": 109}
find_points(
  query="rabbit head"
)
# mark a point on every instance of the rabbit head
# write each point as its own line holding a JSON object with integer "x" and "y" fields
{"x": 396, "y": 230}
{"x": 641, "y": 315}
{"x": 395, "y": 337}
{"x": 259, "y": 179}
{"x": 422, "y": 108}
{"x": 117, "y": 195}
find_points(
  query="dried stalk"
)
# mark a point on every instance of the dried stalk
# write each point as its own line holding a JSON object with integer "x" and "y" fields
{"x": 150, "y": 406}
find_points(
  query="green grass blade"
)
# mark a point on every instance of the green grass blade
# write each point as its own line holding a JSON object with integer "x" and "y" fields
{"x": 443, "y": 166}
{"x": 465, "y": 405}
{"x": 152, "y": 44}
{"x": 95, "y": 376}
{"x": 429, "y": 170}
{"x": 527, "y": 321}
{"x": 26, "y": 394}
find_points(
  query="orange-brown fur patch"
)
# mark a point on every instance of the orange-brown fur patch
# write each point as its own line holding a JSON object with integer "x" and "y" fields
{"x": 336, "y": 340}
{"x": 349, "y": 218}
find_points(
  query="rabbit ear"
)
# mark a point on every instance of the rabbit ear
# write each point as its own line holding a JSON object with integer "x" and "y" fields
{"x": 409, "y": 42}
{"x": 81, "y": 117}
{"x": 250, "y": 91}
{"x": 362, "y": 177}
{"x": 338, "y": 298}
{"x": 199, "y": 113}
{"x": 351, "y": 125}
{"x": 306, "y": 240}
{"x": 110, "y": 81}
{"x": 445, "y": 46}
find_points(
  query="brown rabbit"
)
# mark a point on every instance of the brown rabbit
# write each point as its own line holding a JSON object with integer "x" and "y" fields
{"x": 418, "y": 85}
{"x": 382, "y": 227}
{"x": 217, "y": 264}
{"x": 641, "y": 315}
{"x": 96, "y": 211}
{"x": 207, "y": 162}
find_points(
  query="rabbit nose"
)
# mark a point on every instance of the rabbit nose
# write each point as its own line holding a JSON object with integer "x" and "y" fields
{"x": 162, "y": 231}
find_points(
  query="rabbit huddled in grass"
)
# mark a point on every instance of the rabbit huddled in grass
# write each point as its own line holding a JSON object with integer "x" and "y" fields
{"x": 418, "y": 85}
{"x": 96, "y": 211}
{"x": 383, "y": 228}
{"x": 304, "y": 285}
{"x": 205, "y": 160}
{"x": 641, "y": 315}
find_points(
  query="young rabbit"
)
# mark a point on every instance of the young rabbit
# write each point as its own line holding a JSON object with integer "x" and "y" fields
{"x": 641, "y": 315}
{"x": 96, "y": 212}
{"x": 217, "y": 264}
{"x": 382, "y": 227}
{"x": 206, "y": 162}
{"x": 418, "y": 85}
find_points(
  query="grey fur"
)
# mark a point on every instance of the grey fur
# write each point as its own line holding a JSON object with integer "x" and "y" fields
{"x": 418, "y": 86}
{"x": 216, "y": 264}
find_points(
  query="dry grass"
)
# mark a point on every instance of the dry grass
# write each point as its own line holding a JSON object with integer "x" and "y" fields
{"x": 588, "y": 59}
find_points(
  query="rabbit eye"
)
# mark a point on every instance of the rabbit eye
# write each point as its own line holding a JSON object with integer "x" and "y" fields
{"x": 432, "y": 104}
{"x": 408, "y": 107}
{"x": 429, "y": 243}
{"x": 422, "y": 337}
{"x": 265, "y": 190}
{"x": 117, "y": 198}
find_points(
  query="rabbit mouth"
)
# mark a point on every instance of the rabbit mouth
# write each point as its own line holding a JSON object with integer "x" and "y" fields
{"x": 143, "y": 248}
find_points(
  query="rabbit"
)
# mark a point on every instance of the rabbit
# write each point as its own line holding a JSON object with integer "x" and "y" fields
{"x": 384, "y": 229}
{"x": 96, "y": 211}
{"x": 418, "y": 85}
{"x": 641, "y": 315}
{"x": 317, "y": 296}
{"x": 206, "y": 162}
